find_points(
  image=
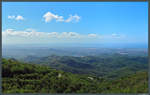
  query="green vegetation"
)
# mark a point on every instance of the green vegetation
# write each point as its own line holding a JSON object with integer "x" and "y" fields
{"x": 110, "y": 66}
{"x": 21, "y": 77}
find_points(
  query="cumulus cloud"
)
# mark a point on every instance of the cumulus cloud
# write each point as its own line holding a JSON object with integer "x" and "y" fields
{"x": 75, "y": 18}
{"x": 50, "y": 16}
{"x": 19, "y": 17}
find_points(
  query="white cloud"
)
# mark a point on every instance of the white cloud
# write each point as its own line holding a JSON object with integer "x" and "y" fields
{"x": 114, "y": 35}
{"x": 11, "y": 17}
{"x": 69, "y": 35}
{"x": 50, "y": 16}
{"x": 19, "y": 17}
{"x": 92, "y": 35}
{"x": 75, "y": 18}
{"x": 32, "y": 36}
{"x": 31, "y": 33}
{"x": 28, "y": 33}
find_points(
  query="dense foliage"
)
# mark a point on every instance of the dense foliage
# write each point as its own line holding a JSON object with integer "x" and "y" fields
{"x": 21, "y": 77}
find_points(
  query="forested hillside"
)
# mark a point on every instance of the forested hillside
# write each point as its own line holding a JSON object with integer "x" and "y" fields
{"x": 110, "y": 66}
{"x": 21, "y": 77}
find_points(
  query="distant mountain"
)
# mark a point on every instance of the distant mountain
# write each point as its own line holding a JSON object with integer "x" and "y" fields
{"x": 21, "y": 52}
{"x": 18, "y": 77}
{"x": 111, "y": 66}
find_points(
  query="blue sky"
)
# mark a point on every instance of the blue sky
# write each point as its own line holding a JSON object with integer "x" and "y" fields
{"x": 70, "y": 22}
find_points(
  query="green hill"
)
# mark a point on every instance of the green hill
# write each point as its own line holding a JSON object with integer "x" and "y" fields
{"x": 21, "y": 77}
{"x": 110, "y": 66}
